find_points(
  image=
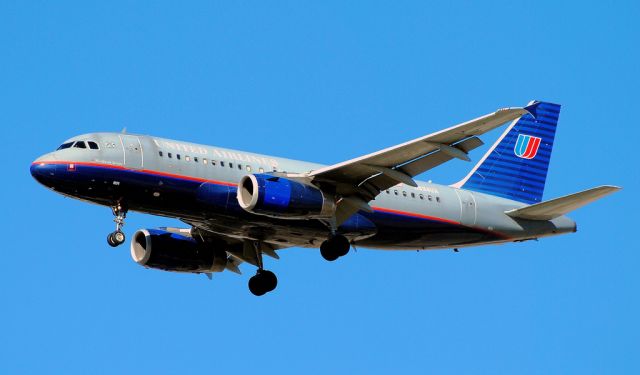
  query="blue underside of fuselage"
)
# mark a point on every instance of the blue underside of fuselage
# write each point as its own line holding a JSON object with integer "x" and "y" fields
{"x": 185, "y": 197}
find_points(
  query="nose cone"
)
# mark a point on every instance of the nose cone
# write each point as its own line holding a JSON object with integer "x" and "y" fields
{"x": 43, "y": 169}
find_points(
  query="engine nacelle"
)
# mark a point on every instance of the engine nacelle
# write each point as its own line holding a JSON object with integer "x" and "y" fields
{"x": 156, "y": 248}
{"x": 283, "y": 198}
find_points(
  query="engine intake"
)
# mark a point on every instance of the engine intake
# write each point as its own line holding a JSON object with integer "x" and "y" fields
{"x": 156, "y": 248}
{"x": 283, "y": 198}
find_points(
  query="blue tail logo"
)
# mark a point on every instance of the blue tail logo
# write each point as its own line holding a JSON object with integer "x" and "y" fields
{"x": 527, "y": 146}
{"x": 516, "y": 166}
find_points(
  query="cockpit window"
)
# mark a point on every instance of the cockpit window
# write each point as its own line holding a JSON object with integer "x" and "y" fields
{"x": 92, "y": 145}
{"x": 80, "y": 144}
{"x": 65, "y": 145}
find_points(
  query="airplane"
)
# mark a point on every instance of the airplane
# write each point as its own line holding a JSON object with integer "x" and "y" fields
{"x": 240, "y": 206}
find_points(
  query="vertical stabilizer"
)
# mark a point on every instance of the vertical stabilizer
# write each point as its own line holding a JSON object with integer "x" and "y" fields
{"x": 516, "y": 165}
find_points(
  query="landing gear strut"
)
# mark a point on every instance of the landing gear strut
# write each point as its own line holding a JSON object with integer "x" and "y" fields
{"x": 117, "y": 237}
{"x": 264, "y": 281}
{"x": 335, "y": 247}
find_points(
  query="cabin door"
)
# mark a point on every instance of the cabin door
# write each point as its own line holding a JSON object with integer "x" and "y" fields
{"x": 132, "y": 150}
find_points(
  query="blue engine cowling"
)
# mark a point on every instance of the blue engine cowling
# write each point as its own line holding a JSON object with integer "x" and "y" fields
{"x": 283, "y": 198}
{"x": 168, "y": 251}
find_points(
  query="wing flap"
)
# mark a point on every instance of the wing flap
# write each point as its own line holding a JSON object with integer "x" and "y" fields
{"x": 433, "y": 160}
{"x": 560, "y": 206}
{"x": 384, "y": 181}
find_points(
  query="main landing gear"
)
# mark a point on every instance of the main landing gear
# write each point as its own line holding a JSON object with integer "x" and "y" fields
{"x": 335, "y": 247}
{"x": 117, "y": 237}
{"x": 263, "y": 281}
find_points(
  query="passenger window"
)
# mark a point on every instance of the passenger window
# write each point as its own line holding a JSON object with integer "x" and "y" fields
{"x": 178, "y": 156}
{"x": 413, "y": 195}
{"x": 261, "y": 170}
{"x": 387, "y": 191}
{"x": 275, "y": 169}
{"x": 430, "y": 198}
{"x": 240, "y": 166}
{"x": 204, "y": 161}
{"x": 195, "y": 158}
{"x": 65, "y": 145}
{"x": 187, "y": 158}
{"x": 438, "y": 199}
{"x": 404, "y": 193}
{"x": 169, "y": 155}
{"x": 93, "y": 145}
{"x": 80, "y": 144}
{"x": 248, "y": 168}
{"x": 421, "y": 196}
{"x": 395, "y": 192}
{"x": 222, "y": 164}
{"x": 213, "y": 162}
{"x": 160, "y": 153}
{"x": 230, "y": 165}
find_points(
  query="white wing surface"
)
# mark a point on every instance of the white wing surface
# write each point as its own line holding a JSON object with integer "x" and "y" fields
{"x": 359, "y": 180}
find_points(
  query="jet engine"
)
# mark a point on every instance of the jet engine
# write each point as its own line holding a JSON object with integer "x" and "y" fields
{"x": 283, "y": 198}
{"x": 156, "y": 248}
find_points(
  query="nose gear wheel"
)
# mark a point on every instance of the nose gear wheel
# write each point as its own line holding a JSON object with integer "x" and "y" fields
{"x": 117, "y": 237}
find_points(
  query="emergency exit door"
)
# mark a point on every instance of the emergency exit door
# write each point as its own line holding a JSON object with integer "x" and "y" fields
{"x": 468, "y": 213}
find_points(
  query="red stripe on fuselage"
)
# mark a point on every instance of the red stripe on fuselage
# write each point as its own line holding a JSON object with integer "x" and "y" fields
{"x": 147, "y": 171}
{"x": 433, "y": 218}
{"x": 197, "y": 179}
{"x": 413, "y": 214}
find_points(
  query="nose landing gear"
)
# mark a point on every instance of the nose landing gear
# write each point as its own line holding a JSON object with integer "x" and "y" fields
{"x": 117, "y": 237}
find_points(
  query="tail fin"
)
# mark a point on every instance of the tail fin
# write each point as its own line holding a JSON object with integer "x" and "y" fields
{"x": 516, "y": 165}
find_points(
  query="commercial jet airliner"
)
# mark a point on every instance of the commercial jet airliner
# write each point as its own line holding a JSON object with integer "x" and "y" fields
{"x": 240, "y": 206}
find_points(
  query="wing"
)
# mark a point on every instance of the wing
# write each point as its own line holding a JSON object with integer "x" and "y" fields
{"x": 238, "y": 250}
{"x": 360, "y": 180}
{"x": 232, "y": 261}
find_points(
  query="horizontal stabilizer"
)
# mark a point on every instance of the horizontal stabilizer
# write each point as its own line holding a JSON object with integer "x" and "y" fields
{"x": 560, "y": 206}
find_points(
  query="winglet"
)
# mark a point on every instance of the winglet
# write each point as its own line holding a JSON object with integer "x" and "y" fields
{"x": 533, "y": 108}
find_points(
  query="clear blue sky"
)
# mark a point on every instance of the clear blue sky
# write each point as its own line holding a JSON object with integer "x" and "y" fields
{"x": 323, "y": 82}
